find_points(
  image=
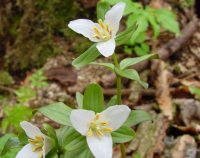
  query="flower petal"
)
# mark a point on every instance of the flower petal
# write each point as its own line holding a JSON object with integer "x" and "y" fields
{"x": 80, "y": 120}
{"x": 114, "y": 15}
{"x": 31, "y": 130}
{"x": 47, "y": 145}
{"x": 115, "y": 116}
{"x": 106, "y": 48}
{"x": 27, "y": 152}
{"x": 101, "y": 147}
{"x": 84, "y": 27}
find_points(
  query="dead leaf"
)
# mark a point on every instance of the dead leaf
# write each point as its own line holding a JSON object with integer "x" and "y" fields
{"x": 163, "y": 96}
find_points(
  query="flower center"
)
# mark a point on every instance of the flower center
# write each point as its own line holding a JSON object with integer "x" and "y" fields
{"x": 103, "y": 31}
{"x": 38, "y": 143}
{"x": 98, "y": 128}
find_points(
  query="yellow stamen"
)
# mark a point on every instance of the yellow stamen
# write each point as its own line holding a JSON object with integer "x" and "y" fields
{"x": 98, "y": 127}
{"x": 103, "y": 31}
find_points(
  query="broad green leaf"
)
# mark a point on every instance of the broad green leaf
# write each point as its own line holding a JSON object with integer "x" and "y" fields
{"x": 195, "y": 91}
{"x": 83, "y": 152}
{"x": 132, "y": 61}
{"x": 12, "y": 142}
{"x": 123, "y": 135}
{"x": 136, "y": 117}
{"x": 50, "y": 131}
{"x": 131, "y": 74}
{"x": 79, "y": 99}
{"x": 4, "y": 139}
{"x": 112, "y": 101}
{"x": 102, "y": 8}
{"x": 73, "y": 140}
{"x": 106, "y": 65}
{"x": 87, "y": 57}
{"x": 93, "y": 98}
{"x": 168, "y": 20}
{"x": 62, "y": 134}
{"x": 57, "y": 112}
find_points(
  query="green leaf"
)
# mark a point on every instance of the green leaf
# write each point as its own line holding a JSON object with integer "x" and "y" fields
{"x": 5, "y": 78}
{"x": 168, "y": 20}
{"x": 142, "y": 26}
{"x": 87, "y": 57}
{"x": 79, "y": 99}
{"x": 131, "y": 74}
{"x": 195, "y": 91}
{"x": 130, "y": 6}
{"x": 57, "y": 112}
{"x": 152, "y": 20}
{"x": 73, "y": 140}
{"x": 124, "y": 37}
{"x": 123, "y": 135}
{"x": 25, "y": 94}
{"x": 93, "y": 98}
{"x": 136, "y": 117}
{"x": 4, "y": 139}
{"x": 112, "y": 101}
{"x": 12, "y": 143}
{"x": 106, "y": 65}
{"x": 83, "y": 152}
{"x": 14, "y": 115}
{"x": 132, "y": 61}
{"x": 102, "y": 8}
{"x": 51, "y": 132}
{"x": 139, "y": 51}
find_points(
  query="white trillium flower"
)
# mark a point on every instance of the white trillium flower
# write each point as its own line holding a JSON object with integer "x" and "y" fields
{"x": 98, "y": 127}
{"x": 39, "y": 144}
{"x": 103, "y": 32}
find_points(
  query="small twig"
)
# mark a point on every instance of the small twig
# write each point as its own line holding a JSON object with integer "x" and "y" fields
{"x": 10, "y": 90}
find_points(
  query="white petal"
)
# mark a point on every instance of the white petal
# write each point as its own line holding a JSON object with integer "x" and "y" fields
{"x": 27, "y": 152}
{"x": 84, "y": 27}
{"x": 47, "y": 145}
{"x": 31, "y": 130}
{"x": 80, "y": 120}
{"x": 106, "y": 48}
{"x": 114, "y": 15}
{"x": 101, "y": 147}
{"x": 115, "y": 116}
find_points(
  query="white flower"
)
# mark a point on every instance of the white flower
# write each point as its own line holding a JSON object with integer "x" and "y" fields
{"x": 97, "y": 128}
{"x": 39, "y": 144}
{"x": 103, "y": 32}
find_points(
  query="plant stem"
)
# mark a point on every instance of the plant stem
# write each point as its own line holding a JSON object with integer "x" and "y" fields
{"x": 119, "y": 99}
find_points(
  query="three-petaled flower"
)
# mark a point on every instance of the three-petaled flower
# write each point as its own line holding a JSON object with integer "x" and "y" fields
{"x": 98, "y": 127}
{"x": 39, "y": 144}
{"x": 103, "y": 32}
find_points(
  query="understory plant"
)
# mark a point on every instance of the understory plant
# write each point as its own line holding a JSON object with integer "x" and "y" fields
{"x": 93, "y": 128}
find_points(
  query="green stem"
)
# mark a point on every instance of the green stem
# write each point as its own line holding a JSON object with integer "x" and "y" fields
{"x": 119, "y": 99}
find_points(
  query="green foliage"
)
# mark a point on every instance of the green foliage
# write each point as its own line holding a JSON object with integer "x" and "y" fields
{"x": 195, "y": 91}
{"x": 25, "y": 94}
{"x": 79, "y": 100}
{"x": 8, "y": 149}
{"x": 58, "y": 112}
{"x": 14, "y": 115}
{"x": 123, "y": 135}
{"x": 136, "y": 117}
{"x": 131, "y": 74}
{"x": 38, "y": 79}
{"x": 93, "y": 98}
{"x": 145, "y": 18}
{"x": 5, "y": 78}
